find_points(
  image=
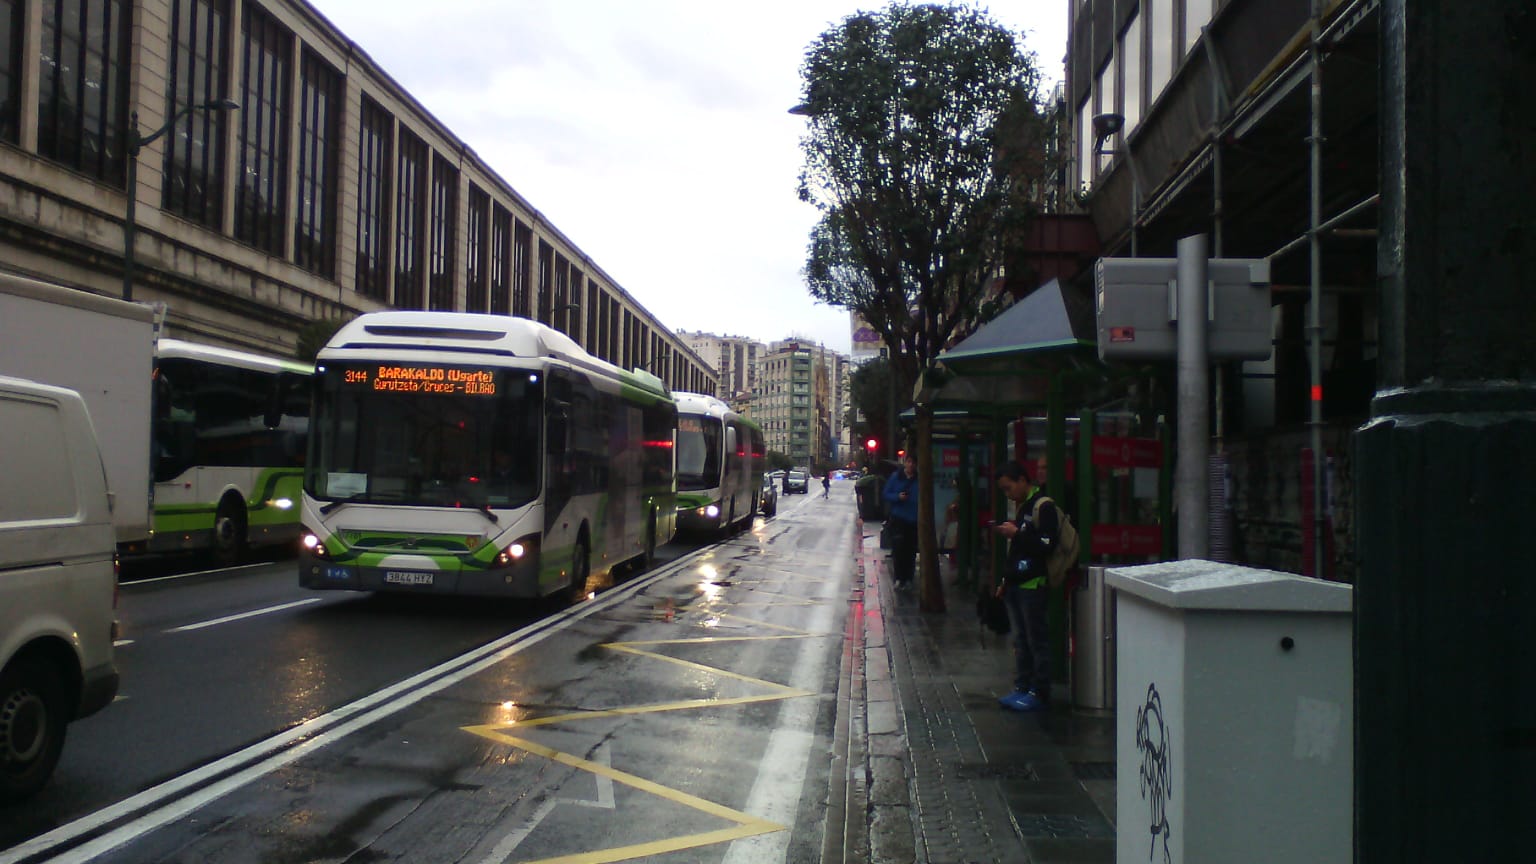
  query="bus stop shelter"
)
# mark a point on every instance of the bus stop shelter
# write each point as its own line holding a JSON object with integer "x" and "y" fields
{"x": 1039, "y": 355}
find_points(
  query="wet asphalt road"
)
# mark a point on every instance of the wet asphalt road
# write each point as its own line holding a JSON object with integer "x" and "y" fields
{"x": 683, "y": 715}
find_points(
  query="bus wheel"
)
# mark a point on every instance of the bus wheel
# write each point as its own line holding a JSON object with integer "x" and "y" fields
{"x": 229, "y": 530}
{"x": 581, "y": 568}
{"x": 31, "y": 728}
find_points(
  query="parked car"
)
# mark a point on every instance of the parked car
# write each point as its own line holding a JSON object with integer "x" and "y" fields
{"x": 797, "y": 481}
{"x": 768, "y": 499}
{"x": 58, "y": 580}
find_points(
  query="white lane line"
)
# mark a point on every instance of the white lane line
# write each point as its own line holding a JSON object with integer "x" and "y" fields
{"x": 188, "y": 575}
{"x": 604, "y": 801}
{"x": 781, "y": 772}
{"x": 122, "y": 643}
{"x": 175, "y": 798}
{"x": 251, "y": 614}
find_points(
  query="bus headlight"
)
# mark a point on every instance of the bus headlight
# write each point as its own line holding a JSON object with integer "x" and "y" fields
{"x": 711, "y": 511}
{"x": 516, "y": 551}
{"x": 314, "y": 546}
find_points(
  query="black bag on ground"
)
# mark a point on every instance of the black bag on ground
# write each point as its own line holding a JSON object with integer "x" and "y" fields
{"x": 992, "y": 612}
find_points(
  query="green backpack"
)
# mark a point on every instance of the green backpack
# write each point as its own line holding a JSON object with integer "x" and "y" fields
{"x": 1064, "y": 556}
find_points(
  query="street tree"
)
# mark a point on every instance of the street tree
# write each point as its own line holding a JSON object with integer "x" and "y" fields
{"x": 924, "y": 134}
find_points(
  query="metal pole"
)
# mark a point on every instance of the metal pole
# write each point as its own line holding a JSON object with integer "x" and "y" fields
{"x": 1192, "y": 480}
{"x": 130, "y": 228}
{"x": 1315, "y": 304}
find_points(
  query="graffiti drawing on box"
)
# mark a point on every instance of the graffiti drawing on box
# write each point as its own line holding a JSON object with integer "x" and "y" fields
{"x": 1156, "y": 782}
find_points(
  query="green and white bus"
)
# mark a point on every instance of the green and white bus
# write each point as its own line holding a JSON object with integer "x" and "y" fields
{"x": 484, "y": 455}
{"x": 228, "y": 432}
{"x": 720, "y": 461}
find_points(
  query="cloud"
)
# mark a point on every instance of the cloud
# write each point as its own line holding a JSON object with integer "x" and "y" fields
{"x": 653, "y": 134}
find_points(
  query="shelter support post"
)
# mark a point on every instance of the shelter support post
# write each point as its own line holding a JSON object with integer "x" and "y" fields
{"x": 1056, "y": 484}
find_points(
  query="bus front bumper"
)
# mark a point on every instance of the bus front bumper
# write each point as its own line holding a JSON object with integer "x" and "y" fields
{"x": 421, "y": 575}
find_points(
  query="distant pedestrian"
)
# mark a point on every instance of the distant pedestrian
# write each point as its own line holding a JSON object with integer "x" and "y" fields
{"x": 1024, "y": 587}
{"x": 901, "y": 495}
{"x": 826, "y": 484}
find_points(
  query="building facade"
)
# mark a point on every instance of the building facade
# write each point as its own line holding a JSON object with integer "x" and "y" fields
{"x": 734, "y": 358}
{"x": 1255, "y": 124}
{"x": 329, "y": 191}
{"x": 801, "y": 400}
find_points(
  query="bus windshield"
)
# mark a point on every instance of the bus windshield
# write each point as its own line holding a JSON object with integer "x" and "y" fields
{"x": 698, "y": 452}
{"x": 425, "y": 434}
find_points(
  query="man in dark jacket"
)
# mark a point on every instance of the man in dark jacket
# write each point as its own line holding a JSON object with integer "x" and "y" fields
{"x": 1023, "y": 586}
{"x": 901, "y": 524}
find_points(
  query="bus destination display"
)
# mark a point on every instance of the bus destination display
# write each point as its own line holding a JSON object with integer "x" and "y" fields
{"x": 430, "y": 380}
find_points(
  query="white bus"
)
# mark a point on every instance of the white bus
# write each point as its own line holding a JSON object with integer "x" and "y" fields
{"x": 458, "y": 453}
{"x": 720, "y": 460}
{"x": 228, "y": 437}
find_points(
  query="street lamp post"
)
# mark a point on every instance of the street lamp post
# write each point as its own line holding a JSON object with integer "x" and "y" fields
{"x": 137, "y": 143}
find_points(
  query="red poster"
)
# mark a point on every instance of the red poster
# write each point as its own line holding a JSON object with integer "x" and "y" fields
{"x": 1114, "y": 452}
{"x": 949, "y": 457}
{"x": 1126, "y": 540}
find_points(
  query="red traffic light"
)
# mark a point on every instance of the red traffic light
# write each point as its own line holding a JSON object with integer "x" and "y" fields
{"x": 871, "y": 445}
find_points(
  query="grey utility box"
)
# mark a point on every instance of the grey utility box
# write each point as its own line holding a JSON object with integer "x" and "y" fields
{"x": 1234, "y": 716}
{"x": 1136, "y": 308}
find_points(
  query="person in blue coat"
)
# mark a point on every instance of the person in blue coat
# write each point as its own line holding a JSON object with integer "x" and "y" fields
{"x": 901, "y": 525}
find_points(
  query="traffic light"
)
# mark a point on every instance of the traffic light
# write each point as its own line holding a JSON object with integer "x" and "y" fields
{"x": 872, "y": 446}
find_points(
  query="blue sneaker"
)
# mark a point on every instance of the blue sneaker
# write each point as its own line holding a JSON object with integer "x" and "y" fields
{"x": 1011, "y": 701}
{"x": 1024, "y": 702}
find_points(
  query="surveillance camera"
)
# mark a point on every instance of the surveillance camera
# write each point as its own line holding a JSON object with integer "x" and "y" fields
{"x": 1105, "y": 125}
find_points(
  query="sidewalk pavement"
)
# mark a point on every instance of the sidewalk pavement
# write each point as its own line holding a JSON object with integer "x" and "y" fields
{"x": 941, "y": 773}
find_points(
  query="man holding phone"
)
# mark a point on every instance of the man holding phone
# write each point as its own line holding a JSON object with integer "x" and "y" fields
{"x": 1023, "y": 586}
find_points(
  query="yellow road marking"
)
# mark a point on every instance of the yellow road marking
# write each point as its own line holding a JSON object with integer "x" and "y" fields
{"x": 746, "y": 825}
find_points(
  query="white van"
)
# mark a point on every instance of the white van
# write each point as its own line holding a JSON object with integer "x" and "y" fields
{"x": 58, "y": 579}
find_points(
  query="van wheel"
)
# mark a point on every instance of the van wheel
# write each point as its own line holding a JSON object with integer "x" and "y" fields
{"x": 581, "y": 568}
{"x": 31, "y": 728}
{"x": 229, "y": 531}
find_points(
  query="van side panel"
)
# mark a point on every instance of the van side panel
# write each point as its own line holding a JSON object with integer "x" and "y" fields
{"x": 57, "y": 580}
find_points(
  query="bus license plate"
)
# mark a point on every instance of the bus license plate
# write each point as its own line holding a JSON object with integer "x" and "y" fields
{"x": 407, "y": 577}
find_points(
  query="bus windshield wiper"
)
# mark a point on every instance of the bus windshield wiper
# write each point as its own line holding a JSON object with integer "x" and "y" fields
{"x": 487, "y": 512}
{"x": 325, "y": 509}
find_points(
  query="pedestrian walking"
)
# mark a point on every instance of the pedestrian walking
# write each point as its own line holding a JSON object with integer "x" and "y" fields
{"x": 901, "y": 494}
{"x": 826, "y": 484}
{"x": 1024, "y": 587}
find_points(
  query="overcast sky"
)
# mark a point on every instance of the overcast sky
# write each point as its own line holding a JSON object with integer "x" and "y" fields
{"x": 652, "y": 133}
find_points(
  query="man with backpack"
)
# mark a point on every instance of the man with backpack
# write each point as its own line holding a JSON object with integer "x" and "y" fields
{"x": 1034, "y": 536}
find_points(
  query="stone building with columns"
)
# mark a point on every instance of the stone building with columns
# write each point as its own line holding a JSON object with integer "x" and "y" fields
{"x": 329, "y": 191}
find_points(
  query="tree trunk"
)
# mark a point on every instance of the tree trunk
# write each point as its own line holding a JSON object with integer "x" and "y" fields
{"x": 931, "y": 598}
